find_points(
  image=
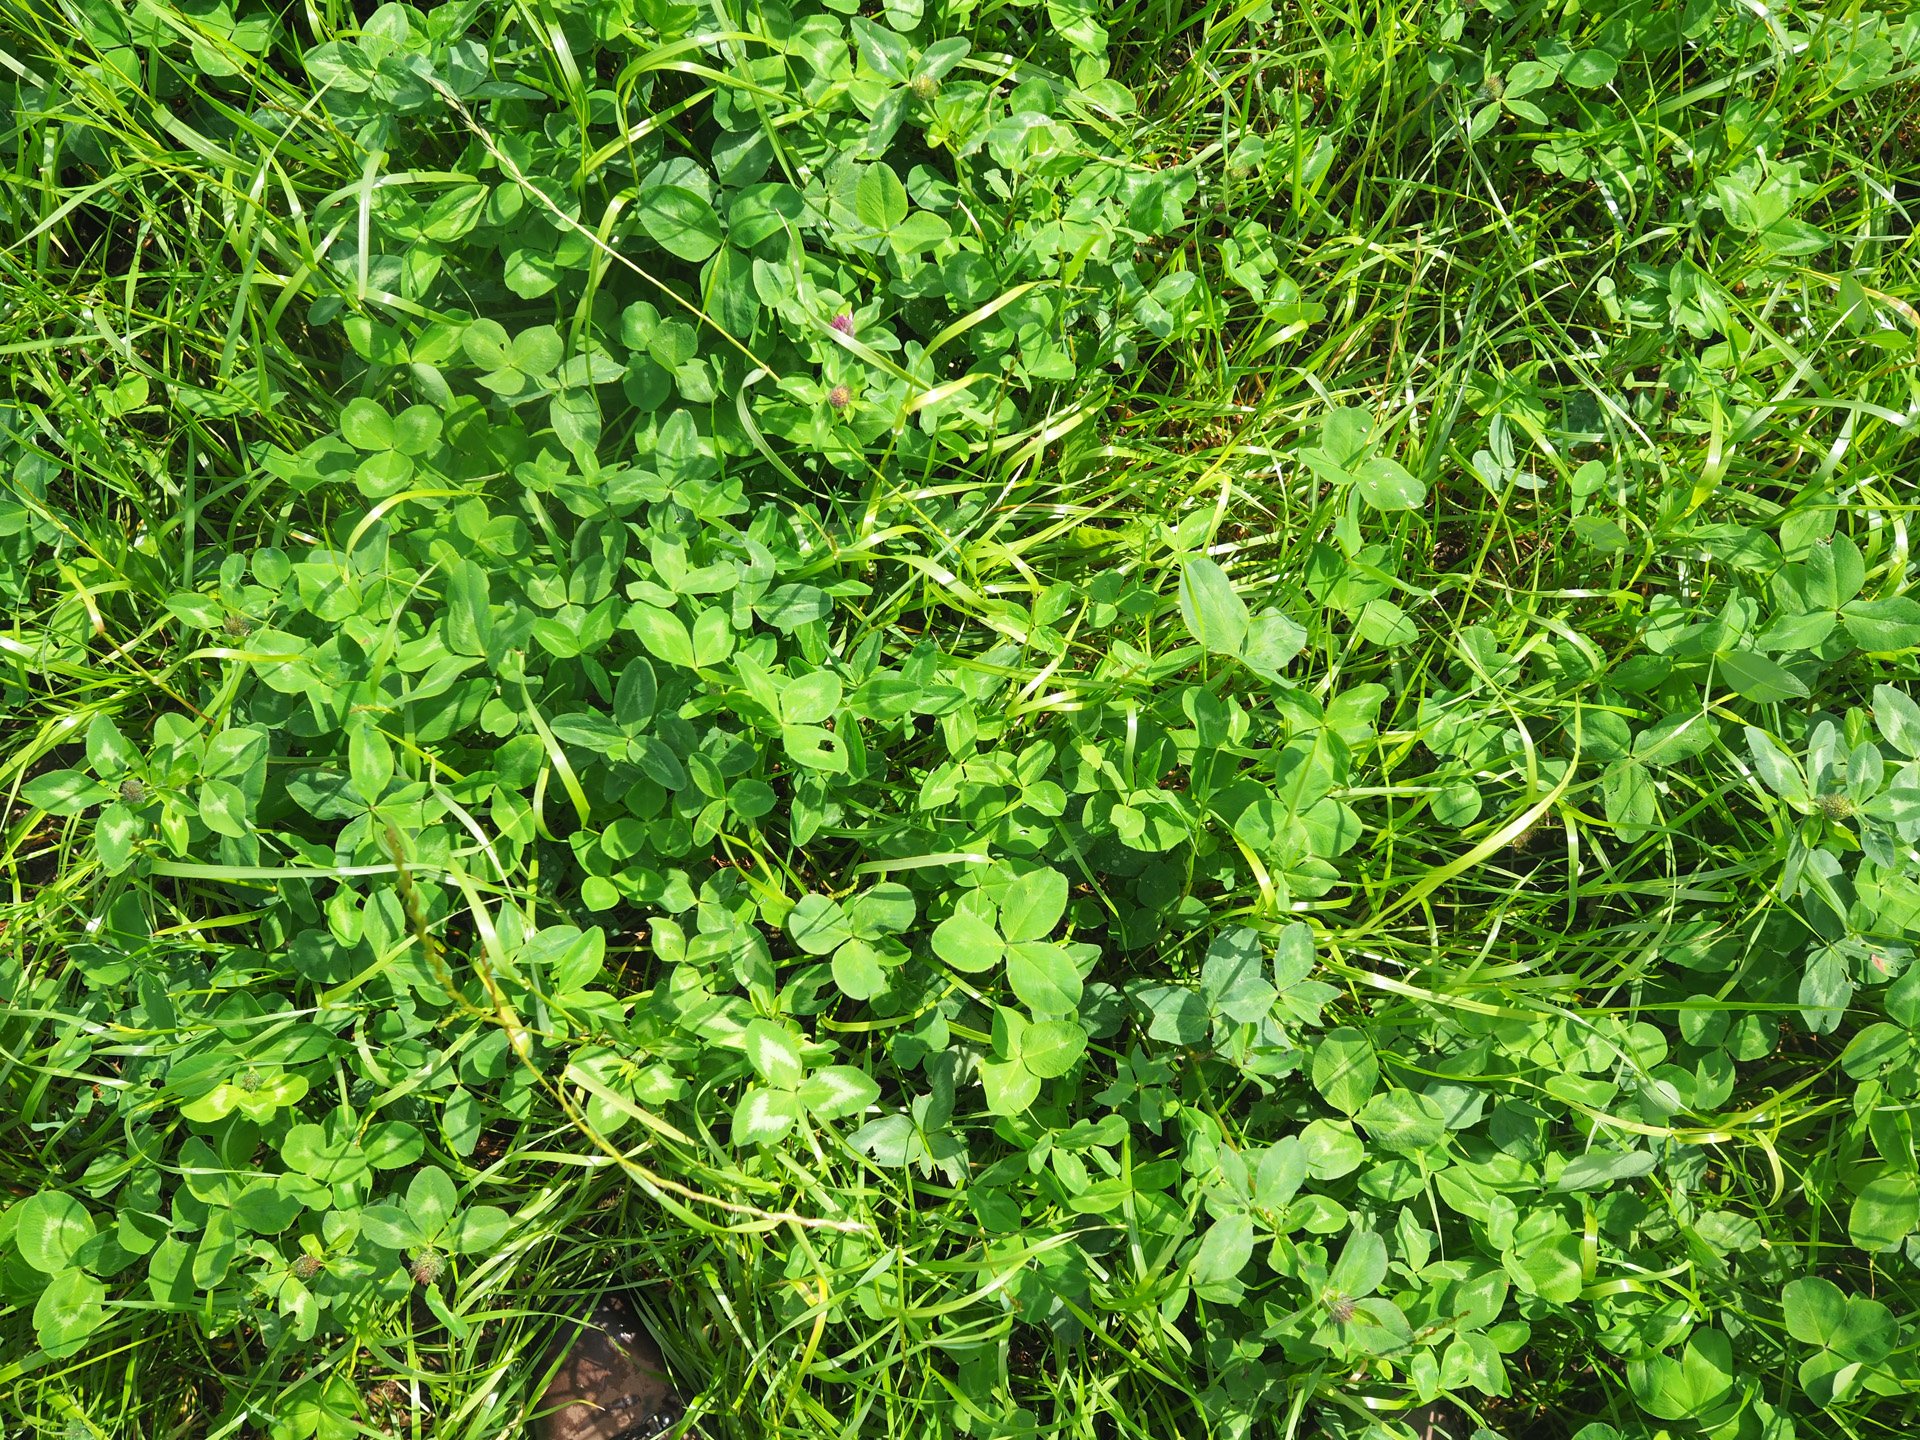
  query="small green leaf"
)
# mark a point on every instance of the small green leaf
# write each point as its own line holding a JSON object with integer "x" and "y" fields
{"x": 1214, "y": 615}
{"x": 858, "y": 971}
{"x": 1826, "y": 989}
{"x": 1885, "y": 1212}
{"x": 1272, "y": 640}
{"x": 114, "y": 836}
{"x": 1685, "y": 1388}
{"x": 1883, "y": 625}
{"x": 369, "y": 761}
{"x": 1177, "y": 1014}
{"x": 480, "y": 1229}
{"x": 1386, "y": 484}
{"x": 1590, "y": 69}
{"x": 763, "y": 1116}
{"x": 1033, "y": 905}
{"x": 810, "y": 699}
{"x": 1233, "y": 977}
{"x": 967, "y": 943}
{"x": 388, "y": 1144}
{"x": 814, "y": 747}
{"x": 836, "y": 1091}
{"x": 1602, "y": 1167}
{"x": 469, "y": 623}
{"x": 818, "y": 924}
{"x": 1674, "y": 738}
{"x": 1223, "y": 1256}
{"x": 1362, "y": 1265}
{"x": 575, "y": 418}
{"x": 1814, "y": 1310}
{"x": 1345, "y": 1069}
{"x": 919, "y": 232}
{"x": 431, "y": 1200}
{"x": 70, "y": 1309}
{"x": 108, "y": 751}
{"x": 886, "y": 909}
{"x": 328, "y": 1155}
{"x": 390, "y": 1226}
{"x": 1775, "y": 767}
{"x": 712, "y": 637}
{"x": 537, "y": 350}
{"x": 1384, "y": 623}
{"x": 485, "y": 342}
{"x": 383, "y": 473}
{"x": 265, "y": 1208}
{"x": 1009, "y": 1086}
{"x": 680, "y": 222}
{"x": 64, "y": 792}
{"x": 1050, "y": 1048}
{"x": 1044, "y": 977}
{"x": 223, "y": 808}
{"x": 1898, "y": 719}
{"x": 663, "y": 633}
{"x": 1403, "y": 1122}
{"x": 774, "y": 1053}
{"x": 416, "y": 429}
{"x": 49, "y": 1228}
{"x": 879, "y": 199}
{"x": 365, "y": 425}
{"x": 881, "y": 51}
{"x": 1760, "y": 679}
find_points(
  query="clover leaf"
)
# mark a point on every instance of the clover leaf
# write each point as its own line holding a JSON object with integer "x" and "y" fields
{"x": 787, "y": 1090}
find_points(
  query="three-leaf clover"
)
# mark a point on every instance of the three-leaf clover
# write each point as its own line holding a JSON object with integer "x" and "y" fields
{"x": 430, "y": 1226}
{"x": 1686, "y": 1388}
{"x": 785, "y": 1092}
{"x": 55, "y": 1237}
{"x": 881, "y": 207}
{"x": 515, "y": 369}
{"x": 859, "y": 935}
{"x": 1345, "y": 456}
{"x": 255, "y": 1093}
{"x": 1011, "y": 929}
{"x": 1027, "y": 1053}
{"x": 1218, "y": 618}
{"x": 390, "y": 444}
{"x": 1852, "y": 1334}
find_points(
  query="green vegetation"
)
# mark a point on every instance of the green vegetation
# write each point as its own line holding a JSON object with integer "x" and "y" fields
{"x": 1079, "y": 721}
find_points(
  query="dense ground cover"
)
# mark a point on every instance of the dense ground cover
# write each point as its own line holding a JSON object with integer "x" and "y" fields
{"x": 1076, "y": 721}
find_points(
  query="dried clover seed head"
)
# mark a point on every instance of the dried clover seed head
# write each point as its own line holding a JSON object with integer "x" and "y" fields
{"x": 132, "y": 791}
{"x": 307, "y": 1266}
{"x": 1341, "y": 1307}
{"x": 236, "y": 625}
{"x": 428, "y": 1266}
{"x": 840, "y": 397}
{"x": 1836, "y": 807}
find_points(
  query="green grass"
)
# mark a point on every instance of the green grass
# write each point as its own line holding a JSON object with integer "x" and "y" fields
{"x": 1314, "y": 817}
